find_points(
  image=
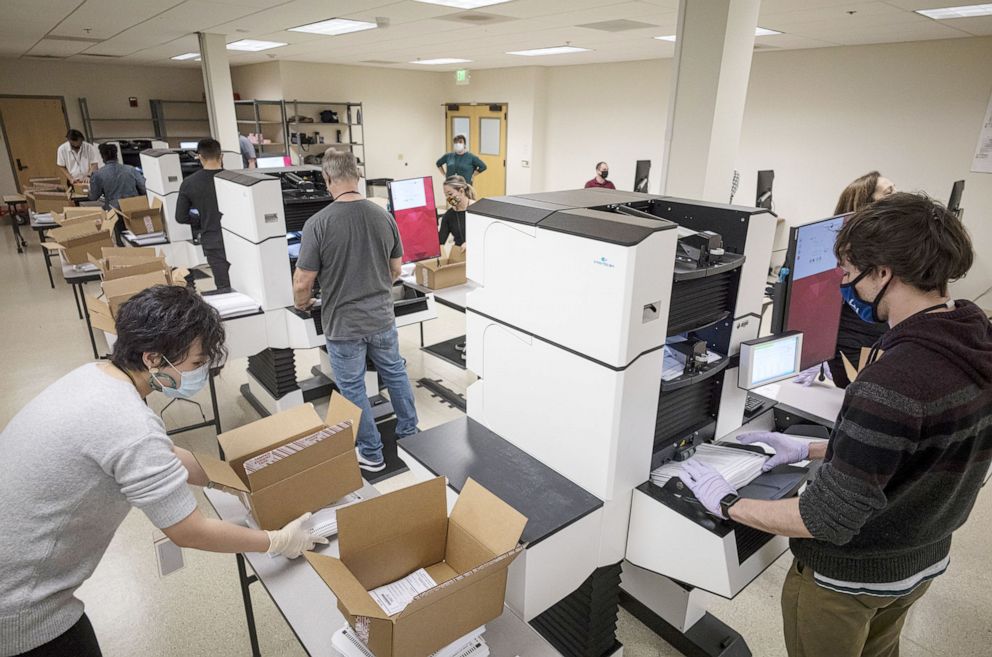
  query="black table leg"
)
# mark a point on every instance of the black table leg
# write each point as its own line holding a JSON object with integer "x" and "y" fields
{"x": 89, "y": 325}
{"x": 75, "y": 297}
{"x": 213, "y": 402}
{"x": 48, "y": 258}
{"x": 18, "y": 240}
{"x": 421, "y": 334}
{"x": 249, "y": 612}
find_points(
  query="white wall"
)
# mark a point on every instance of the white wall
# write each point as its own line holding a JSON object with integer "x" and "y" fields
{"x": 821, "y": 118}
{"x": 106, "y": 88}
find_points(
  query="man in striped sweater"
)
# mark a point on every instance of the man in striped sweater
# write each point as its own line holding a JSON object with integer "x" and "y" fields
{"x": 909, "y": 450}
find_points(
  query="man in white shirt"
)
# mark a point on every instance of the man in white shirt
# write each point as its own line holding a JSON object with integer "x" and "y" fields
{"x": 77, "y": 158}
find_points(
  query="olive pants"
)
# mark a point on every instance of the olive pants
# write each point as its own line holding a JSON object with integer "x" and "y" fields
{"x": 819, "y": 622}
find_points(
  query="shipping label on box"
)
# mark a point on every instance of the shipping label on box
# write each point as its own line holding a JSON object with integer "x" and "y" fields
{"x": 385, "y": 539}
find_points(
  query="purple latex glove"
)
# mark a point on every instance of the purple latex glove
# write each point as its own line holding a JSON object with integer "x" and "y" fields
{"x": 787, "y": 449}
{"x": 808, "y": 377}
{"x": 706, "y": 484}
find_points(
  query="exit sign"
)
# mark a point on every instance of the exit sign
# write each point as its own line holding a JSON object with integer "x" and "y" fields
{"x": 462, "y": 76}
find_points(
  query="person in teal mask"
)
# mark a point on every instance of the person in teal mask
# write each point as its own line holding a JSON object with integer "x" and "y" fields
{"x": 86, "y": 450}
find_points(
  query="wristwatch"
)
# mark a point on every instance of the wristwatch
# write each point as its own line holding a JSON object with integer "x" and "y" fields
{"x": 728, "y": 501}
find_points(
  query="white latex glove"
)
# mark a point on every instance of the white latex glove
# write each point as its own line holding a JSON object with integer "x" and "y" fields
{"x": 294, "y": 539}
{"x": 806, "y": 378}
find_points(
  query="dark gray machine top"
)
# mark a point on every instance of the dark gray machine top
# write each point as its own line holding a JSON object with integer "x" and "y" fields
{"x": 570, "y": 212}
{"x": 246, "y": 177}
{"x": 158, "y": 152}
{"x": 464, "y": 448}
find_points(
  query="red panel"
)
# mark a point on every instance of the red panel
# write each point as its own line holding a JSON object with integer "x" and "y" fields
{"x": 418, "y": 228}
{"x": 814, "y": 309}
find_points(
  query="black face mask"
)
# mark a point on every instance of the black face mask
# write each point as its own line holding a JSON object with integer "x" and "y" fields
{"x": 604, "y": 174}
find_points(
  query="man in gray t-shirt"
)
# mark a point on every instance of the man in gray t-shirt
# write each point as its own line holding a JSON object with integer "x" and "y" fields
{"x": 352, "y": 248}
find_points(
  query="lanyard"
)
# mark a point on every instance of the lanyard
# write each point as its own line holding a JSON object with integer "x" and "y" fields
{"x": 873, "y": 353}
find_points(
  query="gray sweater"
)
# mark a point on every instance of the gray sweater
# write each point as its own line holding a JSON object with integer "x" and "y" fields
{"x": 76, "y": 459}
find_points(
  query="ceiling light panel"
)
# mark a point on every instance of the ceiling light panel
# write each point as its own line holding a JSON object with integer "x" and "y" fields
{"x": 441, "y": 60}
{"x": 185, "y": 56}
{"x": 464, "y": 4}
{"x": 967, "y": 11}
{"x": 253, "y": 45}
{"x": 335, "y": 26}
{"x": 555, "y": 50}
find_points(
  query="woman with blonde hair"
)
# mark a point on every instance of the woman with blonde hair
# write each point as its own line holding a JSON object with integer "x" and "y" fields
{"x": 459, "y": 195}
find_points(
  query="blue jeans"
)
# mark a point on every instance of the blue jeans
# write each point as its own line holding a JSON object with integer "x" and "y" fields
{"x": 348, "y": 362}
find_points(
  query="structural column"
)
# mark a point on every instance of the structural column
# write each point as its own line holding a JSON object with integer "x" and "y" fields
{"x": 219, "y": 91}
{"x": 713, "y": 49}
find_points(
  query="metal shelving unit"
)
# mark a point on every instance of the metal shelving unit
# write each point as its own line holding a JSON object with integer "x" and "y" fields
{"x": 193, "y": 127}
{"x": 352, "y": 128}
{"x": 90, "y": 129}
{"x": 258, "y": 116}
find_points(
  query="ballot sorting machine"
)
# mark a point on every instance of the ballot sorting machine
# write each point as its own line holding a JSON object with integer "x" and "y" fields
{"x": 580, "y": 295}
{"x": 164, "y": 170}
{"x": 262, "y": 212}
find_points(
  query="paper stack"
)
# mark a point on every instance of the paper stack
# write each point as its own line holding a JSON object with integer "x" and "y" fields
{"x": 347, "y": 644}
{"x": 325, "y": 522}
{"x": 233, "y": 304}
{"x": 738, "y": 466}
{"x": 44, "y": 219}
{"x": 158, "y": 237}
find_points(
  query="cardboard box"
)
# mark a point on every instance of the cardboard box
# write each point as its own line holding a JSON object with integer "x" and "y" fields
{"x": 307, "y": 480}
{"x": 125, "y": 262}
{"x": 386, "y": 538}
{"x": 77, "y": 242}
{"x": 446, "y": 271}
{"x": 81, "y": 189}
{"x": 140, "y": 217}
{"x": 853, "y": 372}
{"x": 71, "y": 214}
{"x": 42, "y": 202}
{"x": 115, "y": 291}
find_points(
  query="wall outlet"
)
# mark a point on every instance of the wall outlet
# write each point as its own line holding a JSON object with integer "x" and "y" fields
{"x": 525, "y": 164}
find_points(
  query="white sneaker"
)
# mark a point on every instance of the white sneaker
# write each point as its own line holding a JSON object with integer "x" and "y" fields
{"x": 369, "y": 466}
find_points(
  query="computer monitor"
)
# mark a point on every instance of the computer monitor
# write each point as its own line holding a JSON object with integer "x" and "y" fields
{"x": 188, "y": 145}
{"x": 954, "y": 203}
{"x": 412, "y": 203}
{"x": 272, "y": 162}
{"x": 763, "y": 195}
{"x": 641, "y": 171}
{"x": 812, "y": 299}
{"x": 771, "y": 359}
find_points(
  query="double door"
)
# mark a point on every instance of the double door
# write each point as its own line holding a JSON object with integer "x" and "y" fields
{"x": 484, "y": 129}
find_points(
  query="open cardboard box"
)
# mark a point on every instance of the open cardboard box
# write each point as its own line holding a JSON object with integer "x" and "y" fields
{"x": 139, "y": 216}
{"x": 386, "y": 538}
{"x": 124, "y": 262}
{"x": 43, "y": 201}
{"x": 852, "y": 372}
{"x": 78, "y": 241}
{"x": 103, "y": 309}
{"x": 446, "y": 271}
{"x": 307, "y": 480}
{"x": 73, "y": 215}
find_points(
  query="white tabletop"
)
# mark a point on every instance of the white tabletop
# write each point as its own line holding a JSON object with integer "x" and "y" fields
{"x": 454, "y": 297}
{"x": 311, "y": 609}
{"x": 821, "y": 400}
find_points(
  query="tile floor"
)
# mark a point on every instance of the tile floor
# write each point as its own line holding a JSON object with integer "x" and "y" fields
{"x": 198, "y": 610}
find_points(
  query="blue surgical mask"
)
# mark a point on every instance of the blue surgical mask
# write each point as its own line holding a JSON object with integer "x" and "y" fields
{"x": 866, "y": 310}
{"x": 190, "y": 382}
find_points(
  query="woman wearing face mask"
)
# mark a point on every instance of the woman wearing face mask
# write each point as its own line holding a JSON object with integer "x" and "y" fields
{"x": 86, "y": 450}
{"x": 460, "y": 195}
{"x": 460, "y": 162}
{"x": 856, "y": 330}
